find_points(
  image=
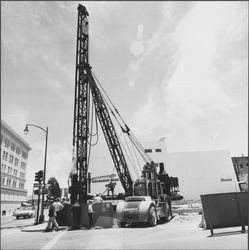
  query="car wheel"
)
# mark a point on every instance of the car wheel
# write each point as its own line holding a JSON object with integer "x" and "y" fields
{"x": 17, "y": 217}
{"x": 152, "y": 217}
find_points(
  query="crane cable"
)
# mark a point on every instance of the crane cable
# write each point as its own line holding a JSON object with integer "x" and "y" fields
{"x": 127, "y": 128}
{"x": 132, "y": 164}
{"x": 132, "y": 160}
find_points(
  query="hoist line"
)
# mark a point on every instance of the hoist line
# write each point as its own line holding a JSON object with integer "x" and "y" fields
{"x": 138, "y": 163}
{"x": 108, "y": 99}
{"x": 96, "y": 134}
{"x": 104, "y": 99}
{"x": 136, "y": 143}
{"x": 134, "y": 165}
{"x": 141, "y": 146}
{"x": 127, "y": 156}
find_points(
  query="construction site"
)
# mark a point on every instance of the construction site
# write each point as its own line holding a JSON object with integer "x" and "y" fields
{"x": 148, "y": 190}
{"x": 136, "y": 193}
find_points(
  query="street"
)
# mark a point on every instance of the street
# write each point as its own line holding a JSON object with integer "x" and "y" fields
{"x": 182, "y": 232}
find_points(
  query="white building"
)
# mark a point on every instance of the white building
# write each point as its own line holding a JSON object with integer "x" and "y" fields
{"x": 200, "y": 172}
{"x": 14, "y": 156}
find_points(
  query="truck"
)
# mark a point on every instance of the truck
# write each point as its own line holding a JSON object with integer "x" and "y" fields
{"x": 148, "y": 204}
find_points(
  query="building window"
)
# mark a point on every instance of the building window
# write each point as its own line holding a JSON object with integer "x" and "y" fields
{"x": 22, "y": 175}
{"x": 12, "y": 147}
{"x": 16, "y": 161}
{"x": 148, "y": 150}
{"x": 158, "y": 150}
{"x": 21, "y": 185}
{"x": 8, "y": 182}
{"x": 3, "y": 167}
{"x": 14, "y": 184}
{"x": 9, "y": 170}
{"x": 11, "y": 158}
{"x": 17, "y": 150}
{"x": 24, "y": 155}
{"x": 7, "y": 143}
{"x": 2, "y": 180}
{"x": 23, "y": 165}
{"x": 15, "y": 172}
{"x": 5, "y": 155}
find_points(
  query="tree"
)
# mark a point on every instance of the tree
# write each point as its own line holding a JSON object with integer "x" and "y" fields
{"x": 54, "y": 188}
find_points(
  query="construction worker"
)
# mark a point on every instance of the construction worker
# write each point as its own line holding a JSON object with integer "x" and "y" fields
{"x": 97, "y": 199}
{"x": 90, "y": 214}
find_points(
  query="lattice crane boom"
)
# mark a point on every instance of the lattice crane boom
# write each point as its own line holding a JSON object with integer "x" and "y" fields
{"x": 84, "y": 80}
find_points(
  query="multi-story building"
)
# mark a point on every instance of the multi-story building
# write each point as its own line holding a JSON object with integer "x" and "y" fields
{"x": 240, "y": 165}
{"x": 14, "y": 157}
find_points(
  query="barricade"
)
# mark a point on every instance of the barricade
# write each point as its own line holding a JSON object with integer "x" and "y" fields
{"x": 103, "y": 214}
{"x": 224, "y": 210}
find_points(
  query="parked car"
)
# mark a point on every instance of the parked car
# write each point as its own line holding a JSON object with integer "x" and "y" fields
{"x": 25, "y": 212}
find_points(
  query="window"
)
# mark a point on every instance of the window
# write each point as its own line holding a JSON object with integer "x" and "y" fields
{"x": 21, "y": 185}
{"x": 9, "y": 170}
{"x": 16, "y": 161}
{"x": 3, "y": 167}
{"x": 158, "y": 150}
{"x": 2, "y": 180}
{"x": 17, "y": 150}
{"x": 14, "y": 184}
{"x": 8, "y": 182}
{"x": 7, "y": 143}
{"x": 15, "y": 172}
{"x": 148, "y": 150}
{"x": 22, "y": 175}
{"x": 12, "y": 147}
{"x": 11, "y": 158}
{"x": 24, "y": 155}
{"x": 23, "y": 165}
{"x": 5, "y": 155}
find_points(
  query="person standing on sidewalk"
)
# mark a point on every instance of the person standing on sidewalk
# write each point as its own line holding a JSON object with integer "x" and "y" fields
{"x": 54, "y": 208}
{"x": 90, "y": 214}
{"x": 52, "y": 219}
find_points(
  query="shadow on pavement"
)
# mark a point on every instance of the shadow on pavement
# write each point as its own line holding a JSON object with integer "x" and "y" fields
{"x": 11, "y": 227}
{"x": 43, "y": 230}
{"x": 227, "y": 233}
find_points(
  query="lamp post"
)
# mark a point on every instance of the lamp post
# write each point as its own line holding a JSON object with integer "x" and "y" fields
{"x": 26, "y": 130}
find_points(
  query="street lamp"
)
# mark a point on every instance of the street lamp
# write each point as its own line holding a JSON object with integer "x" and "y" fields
{"x": 26, "y": 130}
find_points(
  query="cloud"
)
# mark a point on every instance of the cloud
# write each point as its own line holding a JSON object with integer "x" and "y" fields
{"x": 133, "y": 72}
{"x": 59, "y": 163}
{"x": 192, "y": 86}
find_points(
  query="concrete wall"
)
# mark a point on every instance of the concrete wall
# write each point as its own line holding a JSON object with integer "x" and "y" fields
{"x": 203, "y": 172}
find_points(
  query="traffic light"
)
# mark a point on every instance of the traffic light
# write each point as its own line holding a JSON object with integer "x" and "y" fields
{"x": 37, "y": 191}
{"x": 39, "y": 176}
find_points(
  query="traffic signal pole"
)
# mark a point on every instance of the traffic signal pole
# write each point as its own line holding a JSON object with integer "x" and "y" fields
{"x": 38, "y": 209}
{"x": 38, "y": 178}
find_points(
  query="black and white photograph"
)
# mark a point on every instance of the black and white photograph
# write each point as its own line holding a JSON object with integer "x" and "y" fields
{"x": 124, "y": 125}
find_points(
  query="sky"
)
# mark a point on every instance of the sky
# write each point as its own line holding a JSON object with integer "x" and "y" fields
{"x": 177, "y": 70}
